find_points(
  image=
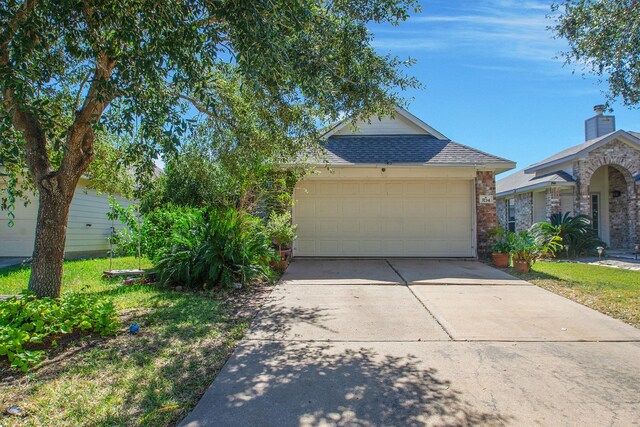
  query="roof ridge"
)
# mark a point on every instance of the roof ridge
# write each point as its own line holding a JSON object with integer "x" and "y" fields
{"x": 481, "y": 152}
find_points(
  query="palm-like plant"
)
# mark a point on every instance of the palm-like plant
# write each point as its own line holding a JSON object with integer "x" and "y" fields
{"x": 575, "y": 232}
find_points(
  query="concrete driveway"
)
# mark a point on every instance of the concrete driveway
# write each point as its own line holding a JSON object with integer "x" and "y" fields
{"x": 423, "y": 342}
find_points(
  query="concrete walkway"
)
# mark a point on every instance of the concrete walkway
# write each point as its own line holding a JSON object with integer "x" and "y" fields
{"x": 440, "y": 343}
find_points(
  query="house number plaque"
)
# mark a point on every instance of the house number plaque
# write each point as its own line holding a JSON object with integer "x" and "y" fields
{"x": 486, "y": 199}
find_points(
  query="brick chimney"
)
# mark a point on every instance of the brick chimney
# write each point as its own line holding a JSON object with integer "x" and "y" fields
{"x": 599, "y": 124}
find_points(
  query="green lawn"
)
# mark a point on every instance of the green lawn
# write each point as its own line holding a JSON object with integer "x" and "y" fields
{"x": 613, "y": 291}
{"x": 150, "y": 379}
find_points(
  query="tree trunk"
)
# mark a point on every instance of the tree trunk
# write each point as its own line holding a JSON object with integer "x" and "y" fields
{"x": 48, "y": 250}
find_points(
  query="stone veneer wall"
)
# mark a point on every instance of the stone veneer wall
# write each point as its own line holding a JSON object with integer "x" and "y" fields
{"x": 626, "y": 161}
{"x": 501, "y": 210}
{"x": 552, "y": 201}
{"x": 486, "y": 214}
{"x": 618, "y": 210}
{"x": 524, "y": 211}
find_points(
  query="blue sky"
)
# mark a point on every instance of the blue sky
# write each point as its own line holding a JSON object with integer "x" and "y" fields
{"x": 493, "y": 80}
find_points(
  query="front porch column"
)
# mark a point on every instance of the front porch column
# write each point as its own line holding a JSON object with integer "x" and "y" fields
{"x": 552, "y": 202}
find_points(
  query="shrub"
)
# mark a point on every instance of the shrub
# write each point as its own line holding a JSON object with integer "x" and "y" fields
{"x": 25, "y": 322}
{"x": 214, "y": 248}
{"x": 280, "y": 229}
{"x": 525, "y": 247}
{"x": 575, "y": 233}
{"x": 504, "y": 240}
{"x": 156, "y": 229}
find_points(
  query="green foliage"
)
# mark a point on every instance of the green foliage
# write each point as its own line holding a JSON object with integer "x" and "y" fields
{"x": 280, "y": 229}
{"x": 604, "y": 37}
{"x": 27, "y": 321}
{"x": 525, "y": 247}
{"x": 202, "y": 176}
{"x": 504, "y": 240}
{"x": 154, "y": 229}
{"x": 257, "y": 76}
{"x": 575, "y": 234}
{"x": 212, "y": 248}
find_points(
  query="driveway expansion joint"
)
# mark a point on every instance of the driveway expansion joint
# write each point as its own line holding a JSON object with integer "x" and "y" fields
{"x": 397, "y": 272}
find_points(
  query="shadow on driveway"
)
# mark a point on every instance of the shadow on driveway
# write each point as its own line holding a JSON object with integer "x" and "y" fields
{"x": 278, "y": 384}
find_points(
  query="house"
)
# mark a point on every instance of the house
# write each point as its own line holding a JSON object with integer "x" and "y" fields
{"x": 599, "y": 178}
{"x": 395, "y": 186}
{"x": 87, "y": 230}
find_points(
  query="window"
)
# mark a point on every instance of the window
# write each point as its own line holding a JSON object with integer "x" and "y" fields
{"x": 511, "y": 215}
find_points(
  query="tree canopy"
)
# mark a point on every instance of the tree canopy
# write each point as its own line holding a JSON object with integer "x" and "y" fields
{"x": 604, "y": 37}
{"x": 151, "y": 70}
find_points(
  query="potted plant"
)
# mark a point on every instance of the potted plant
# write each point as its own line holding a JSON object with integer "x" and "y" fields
{"x": 282, "y": 233}
{"x": 525, "y": 250}
{"x": 500, "y": 251}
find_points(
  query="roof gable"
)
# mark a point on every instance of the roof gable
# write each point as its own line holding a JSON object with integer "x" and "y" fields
{"x": 402, "y": 123}
{"x": 521, "y": 181}
{"x": 584, "y": 148}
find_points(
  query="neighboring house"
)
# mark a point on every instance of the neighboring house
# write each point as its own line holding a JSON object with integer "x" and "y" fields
{"x": 87, "y": 231}
{"x": 599, "y": 178}
{"x": 396, "y": 187}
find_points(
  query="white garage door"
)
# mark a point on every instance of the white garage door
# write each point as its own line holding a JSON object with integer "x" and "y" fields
{"x": 384, "y": 218}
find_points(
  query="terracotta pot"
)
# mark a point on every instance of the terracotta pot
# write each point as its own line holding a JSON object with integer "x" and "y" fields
{"x": 283, "y": 263}
{"x": 521, "y": 266}
{"x": 285, "y": 254}
{"x": 500, "y": 260}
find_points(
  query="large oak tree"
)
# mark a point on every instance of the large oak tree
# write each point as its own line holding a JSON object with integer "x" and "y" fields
{"x": 71, "y": 68}
{"x": 604, "y": 37}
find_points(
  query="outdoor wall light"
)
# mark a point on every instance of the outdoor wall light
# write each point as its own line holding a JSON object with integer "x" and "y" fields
{"x": 616, "y": 193}
{"x": 384, "y": 169}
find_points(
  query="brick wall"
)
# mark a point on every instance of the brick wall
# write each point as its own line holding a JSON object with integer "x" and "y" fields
{"x": 486, "y": 214}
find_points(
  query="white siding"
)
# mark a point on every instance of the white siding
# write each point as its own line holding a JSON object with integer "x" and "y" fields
{"x": 18, "y": 240}
{"x": 386, "y": 126}
{"x": 86, "y": 208}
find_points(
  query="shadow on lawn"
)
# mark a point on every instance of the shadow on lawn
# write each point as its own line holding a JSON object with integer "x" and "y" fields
{"x": 162, "y": 371}
{"x": 272, "y": 383}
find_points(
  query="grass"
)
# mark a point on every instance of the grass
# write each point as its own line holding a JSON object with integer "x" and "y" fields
{"x": 612, "y": 291}
{"x": 150, "y": 379}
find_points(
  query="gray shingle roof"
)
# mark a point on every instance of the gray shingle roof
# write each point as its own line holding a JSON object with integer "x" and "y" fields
{"x": 567, "y": 152}
{"x": 521, "y": 180}
{"x": 413, "y": 149}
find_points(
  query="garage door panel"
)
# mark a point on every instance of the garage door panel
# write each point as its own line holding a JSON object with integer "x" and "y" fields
{"x": 415, "y": 209}
{"x": 372, "y": 189}
{"x": 414, "y": 189}
{"x": 395, "y": 189}
{"x": 370, "y": 208}
{"x": 327, "y": 189}
{"x": 412, "y": 218}
{"x": 349, "y": 189}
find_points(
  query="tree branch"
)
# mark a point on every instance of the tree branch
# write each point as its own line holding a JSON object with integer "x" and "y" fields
{"x": 10, "y": 31}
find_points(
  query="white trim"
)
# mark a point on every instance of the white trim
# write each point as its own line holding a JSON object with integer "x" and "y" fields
{"x": 402, "y": 112}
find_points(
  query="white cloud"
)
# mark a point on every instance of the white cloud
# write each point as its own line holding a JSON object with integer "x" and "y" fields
{"x": 501, "y": 29}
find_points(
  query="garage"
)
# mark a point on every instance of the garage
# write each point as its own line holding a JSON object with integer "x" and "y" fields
{"x": 395, "y": 187}
{"x": 385, "y": 218}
